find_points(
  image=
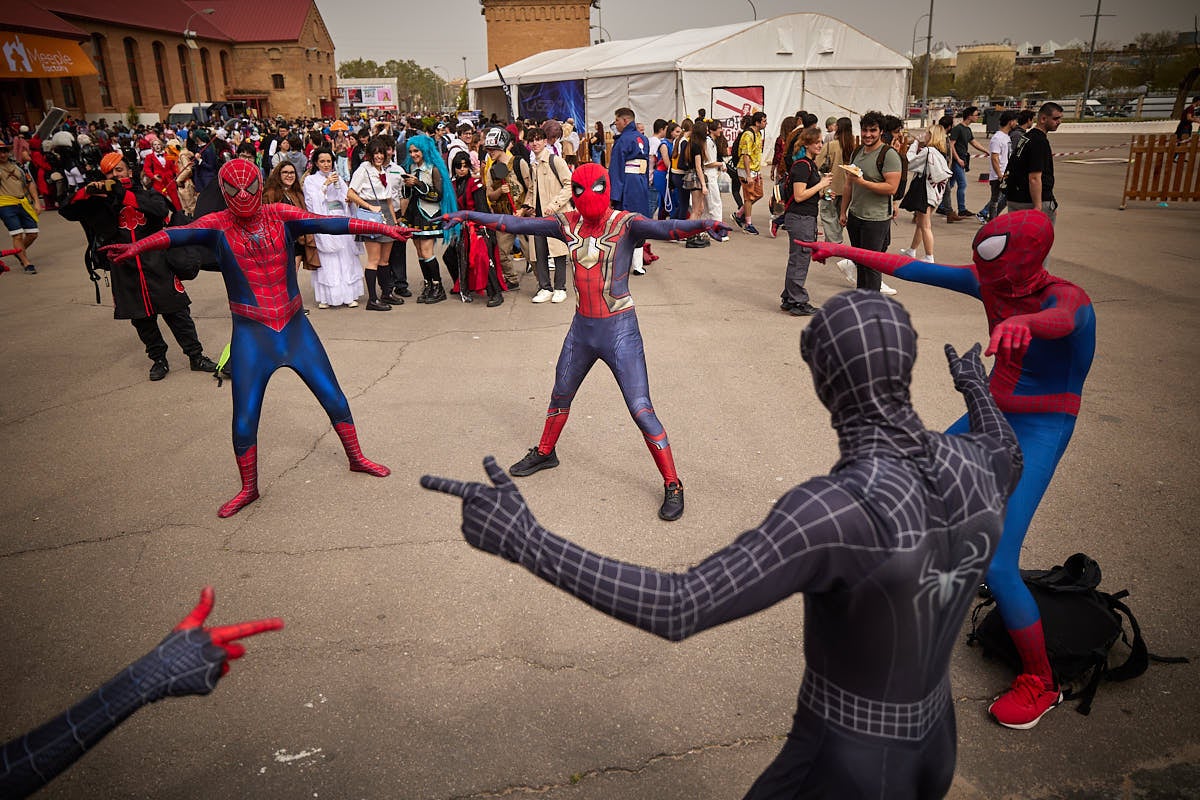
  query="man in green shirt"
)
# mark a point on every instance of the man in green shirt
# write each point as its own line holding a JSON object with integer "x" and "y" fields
{"x": 867, "y": 212}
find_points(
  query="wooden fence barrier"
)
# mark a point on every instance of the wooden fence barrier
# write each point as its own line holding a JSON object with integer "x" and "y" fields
{"x": 1161, "y": 169}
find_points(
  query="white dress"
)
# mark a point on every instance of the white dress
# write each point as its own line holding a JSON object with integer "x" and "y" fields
{"x": 340, "y": 278}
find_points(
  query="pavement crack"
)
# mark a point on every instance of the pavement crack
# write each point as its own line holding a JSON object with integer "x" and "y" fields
{"x": 69, "y": 403}
{"x": 635, "y": 769}
{"x": 308, "y": 551}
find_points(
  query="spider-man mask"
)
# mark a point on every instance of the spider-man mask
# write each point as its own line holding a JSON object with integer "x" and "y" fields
{"x": 241, "y": 183}
{"x": 590, "y": 191}
{"x": 1009, "y": 253}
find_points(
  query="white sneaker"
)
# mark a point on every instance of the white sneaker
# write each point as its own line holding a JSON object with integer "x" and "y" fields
{"x": 638, "y": 270}
{"x": 849, "y": 271}
{"x": 542, "y": 296}
{"x": 928, "y": 259}
{"x": 559, "y": 296}
{"x": 904, "y": 251}
{"x": 885, "y": 289}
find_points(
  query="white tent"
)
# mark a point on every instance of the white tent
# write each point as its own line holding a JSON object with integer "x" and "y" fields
{"x": 802, "y": 60}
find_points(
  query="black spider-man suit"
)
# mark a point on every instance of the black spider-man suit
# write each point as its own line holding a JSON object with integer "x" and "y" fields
{"x": 189, "y": 661}
{"x": 887, "y": 549}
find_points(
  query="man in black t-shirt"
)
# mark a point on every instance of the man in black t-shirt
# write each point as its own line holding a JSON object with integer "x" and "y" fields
{"x": 963, "y": 139}
{"x": 1030, "y": 182}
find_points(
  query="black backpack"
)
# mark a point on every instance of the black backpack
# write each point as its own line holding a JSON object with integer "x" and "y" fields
{"x": 883, "y": 151}
{"x": 1081, "y": 625}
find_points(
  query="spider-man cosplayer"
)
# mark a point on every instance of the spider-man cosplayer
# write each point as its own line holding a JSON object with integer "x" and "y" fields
{"x": 887, "y": 550}
{"x": 602, "y": 243}
{"x": 253, "y": 244}
{"x": 1043, "y": 334}
{"x": 189, "y": 661}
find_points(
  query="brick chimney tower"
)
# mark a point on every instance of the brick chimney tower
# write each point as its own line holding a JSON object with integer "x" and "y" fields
{"x": 519, "y": 28}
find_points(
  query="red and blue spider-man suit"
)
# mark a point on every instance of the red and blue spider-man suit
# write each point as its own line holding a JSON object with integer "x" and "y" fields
{"x": 254, "y": 252}
{"x": 601, "y": 242}
{"x": 1043, "y": 334}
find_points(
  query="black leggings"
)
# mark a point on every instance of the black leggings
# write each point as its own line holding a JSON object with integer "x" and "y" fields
{"x": 822, "y": 760}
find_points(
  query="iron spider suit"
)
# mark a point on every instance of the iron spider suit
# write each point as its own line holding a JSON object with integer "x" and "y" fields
{"x": 253, "y": 244}
{"x": 1043, "y": 334}
{"x": 887, "y": 550}
{"x": 189, "y": 661}
{"x": 601, "y": 243}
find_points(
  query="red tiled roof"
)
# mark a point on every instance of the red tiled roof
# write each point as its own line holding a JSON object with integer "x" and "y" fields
{"x": 35, "y": 19}
{"x": 258, "y": 21}
{"x": 157, "y": 15}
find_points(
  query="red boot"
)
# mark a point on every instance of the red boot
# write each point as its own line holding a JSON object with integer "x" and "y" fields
{"x": 647, "y": 256}
{"x": 358, "y": 462}
{"x": 248, "y": 467}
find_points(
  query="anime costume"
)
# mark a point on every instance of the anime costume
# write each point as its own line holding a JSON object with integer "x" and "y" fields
{"x": 431, "y": 196}
{"x": 472, "y": 257}
{"x": 152, "y": 286}
{"x": 189, "y": 661}
{"x": 254, "y": 247}
{"x": 630, "y": 183}
{"x": 601, "y": 243}
{"x": 1043, "y": 332}
{"x": 162, "y": 173}
{"x": 887, "y": 550}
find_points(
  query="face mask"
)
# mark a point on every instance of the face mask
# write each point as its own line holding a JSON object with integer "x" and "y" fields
{"x": 590, "y": 191}
{"x": 241, "y": 184}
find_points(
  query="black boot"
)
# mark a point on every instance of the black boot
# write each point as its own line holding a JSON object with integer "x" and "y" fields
{"x": 424, "y": 296}
{"x": 437, "y": 293}
{"x": 495, "y": 300}
{"x": 159, "y": 369}
{"x": 202, "y": 363}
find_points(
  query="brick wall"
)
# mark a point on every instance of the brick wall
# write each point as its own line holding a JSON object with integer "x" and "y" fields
{"x": 310, "y": 58}
{"x": 519, "y": 28}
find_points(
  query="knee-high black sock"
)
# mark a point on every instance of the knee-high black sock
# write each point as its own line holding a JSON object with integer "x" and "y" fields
{"x": 387, "y": 283}
{"x": 371, "y": 277}
{"x": 431, "y": 271}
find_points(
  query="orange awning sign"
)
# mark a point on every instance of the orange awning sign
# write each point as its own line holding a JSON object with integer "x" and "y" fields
{"x": 29, "y": 56}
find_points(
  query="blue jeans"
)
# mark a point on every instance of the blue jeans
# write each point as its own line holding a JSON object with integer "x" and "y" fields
{"x": 960, "y": 177}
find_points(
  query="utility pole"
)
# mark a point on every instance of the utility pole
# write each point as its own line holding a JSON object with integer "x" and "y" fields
{"x": 1087, "y": 83}
{"x": 925, "y": 85}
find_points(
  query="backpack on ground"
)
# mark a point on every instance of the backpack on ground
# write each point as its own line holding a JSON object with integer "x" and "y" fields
{"x": 1081, "y": 626}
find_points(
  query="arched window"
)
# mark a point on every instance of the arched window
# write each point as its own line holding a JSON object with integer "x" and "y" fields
{"x": 206, "y": 75}
{"x": 160, "y": 72}
{"x": 225, "y": 68}
{"x": 186, "y": 73}
{"x": 310, "y": 83}
{"x": 101, "y": 61}
{"x": 131, "y": 59}
{"x": 70, "y": 96}
{"x": 321, "y": 83}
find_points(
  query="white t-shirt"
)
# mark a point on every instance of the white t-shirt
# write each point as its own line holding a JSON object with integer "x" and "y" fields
{"x": 999, "y": 144}
{"x": 366, "y": 184}
{"x": 654, "y": 143}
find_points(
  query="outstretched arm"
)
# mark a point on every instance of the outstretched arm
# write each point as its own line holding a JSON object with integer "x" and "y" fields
{"x": 988, "y": 425}
{"x": 300, "y": 222}
{"x": 189, "y": 661}
{"x": 956, "y": 278}
{"x": 1064, "y": 307}
{"x": 806, "y": 543}
{"x": 643, "y": 228}
{"x": 195, "y": 233}
{"x": 522, "y": 226}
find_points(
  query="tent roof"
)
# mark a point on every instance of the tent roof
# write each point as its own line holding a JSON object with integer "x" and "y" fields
{"x": 761, "y": 44}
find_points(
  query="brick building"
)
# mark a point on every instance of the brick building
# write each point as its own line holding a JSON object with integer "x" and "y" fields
{"x": 517, "y": 29}
{"x": 276, "y": 56}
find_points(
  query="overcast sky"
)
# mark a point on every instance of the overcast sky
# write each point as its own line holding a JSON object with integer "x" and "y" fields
{"x": 442, "y": 32}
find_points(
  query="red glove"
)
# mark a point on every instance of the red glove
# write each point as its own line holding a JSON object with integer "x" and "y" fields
{"x": 1010, "y": 339}
{"x": 822, "y": 250}
{"x": 399, "y": 233}
{"x": 117, "y": 252}
{"x": 225, "y": 635}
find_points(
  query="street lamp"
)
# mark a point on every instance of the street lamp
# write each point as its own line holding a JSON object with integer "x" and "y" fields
{"x": 912, "y": 52}
{"x": 928, "y": 48}
{"x": 753, "y": 9}
{"x": 189, "y": 37}
{"x": 442, "y": 88}
{"x": 603, "y": 32}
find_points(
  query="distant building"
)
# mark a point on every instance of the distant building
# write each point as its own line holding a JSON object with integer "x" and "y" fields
{"x": 971, "y": 55}
{"x": 520, "y": 28}
{"x": 279, "y": 59}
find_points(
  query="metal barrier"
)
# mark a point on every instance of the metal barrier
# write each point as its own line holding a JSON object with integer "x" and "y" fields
{"x": 1161, "y": 169}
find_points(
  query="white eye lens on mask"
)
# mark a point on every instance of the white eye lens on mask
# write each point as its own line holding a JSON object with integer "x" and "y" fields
{"x": 992, "y": 247}
{"x": 598, "y": 187}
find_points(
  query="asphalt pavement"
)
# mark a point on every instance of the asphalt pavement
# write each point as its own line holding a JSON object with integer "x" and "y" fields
{"x": 415, "y": 667}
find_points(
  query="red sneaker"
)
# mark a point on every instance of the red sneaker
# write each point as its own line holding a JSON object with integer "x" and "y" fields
{"x": 1025, "y": 703}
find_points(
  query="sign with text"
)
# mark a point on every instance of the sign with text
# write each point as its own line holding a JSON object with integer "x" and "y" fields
{"x": 731, "y": 103}
{"x": 29, "y": 56}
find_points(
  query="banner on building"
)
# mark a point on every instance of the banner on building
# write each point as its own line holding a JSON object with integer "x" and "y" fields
{"x": 558, "y": 100}
{"x": 29, "y": 56}
{"x": 367, "y": 96}
{"x": 731, "y": 103}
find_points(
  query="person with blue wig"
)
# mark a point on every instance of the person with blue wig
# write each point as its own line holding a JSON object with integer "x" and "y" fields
{"x": 431, "y": 195}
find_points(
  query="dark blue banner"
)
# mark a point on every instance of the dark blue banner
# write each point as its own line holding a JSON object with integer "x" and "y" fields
{"x": 554, "y": 100}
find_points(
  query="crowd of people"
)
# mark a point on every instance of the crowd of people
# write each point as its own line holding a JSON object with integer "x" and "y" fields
{"x": 159, "y": 204}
